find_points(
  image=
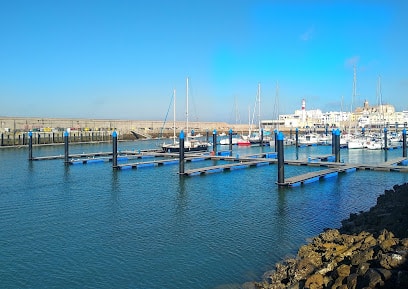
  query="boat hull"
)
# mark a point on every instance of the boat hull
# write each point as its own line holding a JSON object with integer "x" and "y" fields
{"x": 176, "y": 149}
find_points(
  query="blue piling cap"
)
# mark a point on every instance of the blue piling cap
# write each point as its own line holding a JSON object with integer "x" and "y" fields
{"x": 30, "y": 133}
{"x": 297, "y": 129}
{"x": 230, "y": 130}
{"x": 192, "y": 131}
{"x": 363, "y": 129}
{"x": 333, "y": 131}
{"x": 404, "y": 131}
{"x": 214, "y": 131}
{"x": 280, "y": 136}
{"x": 65, "y": 133}
{"x": 181, "y": 134}
{"x": 275, "y": 131}
{"x": 337, "y": 132}
{"x": 385, "y": 129}
{"x": 114, "y": 134}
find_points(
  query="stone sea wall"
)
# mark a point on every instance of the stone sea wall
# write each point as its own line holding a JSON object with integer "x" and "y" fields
{"x": 370, "y": 250}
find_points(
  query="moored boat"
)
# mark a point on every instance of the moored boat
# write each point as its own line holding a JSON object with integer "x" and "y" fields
{"x": 309, "y": 139}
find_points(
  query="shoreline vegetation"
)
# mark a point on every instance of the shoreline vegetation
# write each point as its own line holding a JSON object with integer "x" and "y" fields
{"x": 370, "y": 250}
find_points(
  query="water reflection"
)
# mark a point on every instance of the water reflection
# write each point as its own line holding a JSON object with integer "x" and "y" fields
{"x": 115, "y": 185}
{"x": 181, "y": 199}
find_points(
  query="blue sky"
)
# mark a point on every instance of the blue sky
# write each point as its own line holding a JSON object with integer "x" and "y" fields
{"x": 122, "y": 59}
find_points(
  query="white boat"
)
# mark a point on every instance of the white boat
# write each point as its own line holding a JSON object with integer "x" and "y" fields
{"x": 243, "y": 142}
{"x": 325, "y": 140}
{"x": 309, "y": 139}
{"x": 225, "y": 141}
{"x": 373, "y": 145}
{"x": 356, "y": 143}
{"x": 255, "y": 138}
{"x": 395, "y": 139}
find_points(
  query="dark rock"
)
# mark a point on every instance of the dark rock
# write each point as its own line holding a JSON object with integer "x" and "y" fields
{"x": 402, "y": 279}
{"x": 342, "y": 271}
{"x": 362, "y": 268}
{"x": 372, "y": 278}
{"x": 370, "y": 250}
{"x": 362, "y": 256}
{"x": 352, "y": 280}
{"x": 314, "y": 281}
{"x": 391, "y": 260}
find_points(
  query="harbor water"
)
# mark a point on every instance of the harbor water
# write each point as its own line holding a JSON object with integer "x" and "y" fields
{"x": 88, "y": 226}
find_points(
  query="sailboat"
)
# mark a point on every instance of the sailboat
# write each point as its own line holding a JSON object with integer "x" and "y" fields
{"x": 255, "y": 138}
{"x": 244, "y": 140}
{"x": 355, "y": 142}
{"x": 377, "y": 143}
{"x": 190, "y": 145}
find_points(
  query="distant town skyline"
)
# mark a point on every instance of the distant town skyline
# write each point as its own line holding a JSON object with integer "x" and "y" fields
{"x": 123, "y": 59}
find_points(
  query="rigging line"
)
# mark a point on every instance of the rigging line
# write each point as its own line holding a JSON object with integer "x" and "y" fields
{"x": 193, "y": 101}
{"x": 167, "y": 114}
{"x": 253, "y": 113}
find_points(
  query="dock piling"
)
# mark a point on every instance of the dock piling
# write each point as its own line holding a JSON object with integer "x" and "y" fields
{"x": 281, "y": 159}
{"x": 66, "y": 149}
{"x": 114, "y": 150}
{"x": 181, "y": 153}
{"x": 385, "y": 138}
{"x": 275, "y": 132}
{"x": 333, "y": 142}
{"x": 262, "y": 137}
{"x": 230, "y": 141}
{"x": 404, "y": 143}
{"x": 297, "y": 137}
{"x": 30, "y": 146}
{"x": 337, "y": 148}
{"x": 215, "y": 141}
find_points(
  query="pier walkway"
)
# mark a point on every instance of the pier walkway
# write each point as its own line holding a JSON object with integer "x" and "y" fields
{"x": 86, "y": 156}
{"x": 317, "y": 175}
{"x": 172, "y": 160}
{"x": 230, "y": 167}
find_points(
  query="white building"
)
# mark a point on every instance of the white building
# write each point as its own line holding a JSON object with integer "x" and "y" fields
{"x": 366, "y": 116}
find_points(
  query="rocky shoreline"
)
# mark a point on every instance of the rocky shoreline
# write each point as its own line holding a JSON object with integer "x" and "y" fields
{"x": 370, "y": 250}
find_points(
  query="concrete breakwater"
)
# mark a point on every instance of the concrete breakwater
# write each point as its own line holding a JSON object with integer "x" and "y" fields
{"x": 14, "y": 130}
{"x": 370, "y": 250}
{"x": 25, "y": 124}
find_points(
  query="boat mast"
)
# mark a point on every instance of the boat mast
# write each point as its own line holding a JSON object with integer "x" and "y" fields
{"x": 277, "y": 103}
{"x": 380, "y": 101}
{"x": 187, "y": 107}
{"x": 174, "y": 116}
{"x": 249, "y": 121}
{"x": 353, "y": 96}
{"x": 259, "y": 106}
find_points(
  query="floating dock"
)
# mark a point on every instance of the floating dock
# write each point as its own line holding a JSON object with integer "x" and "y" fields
{"x": 317, "y": 175}
{"x": 229, "y": 167}
{"x": 84, "y": 155}
{"x": 171, "y": 161}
